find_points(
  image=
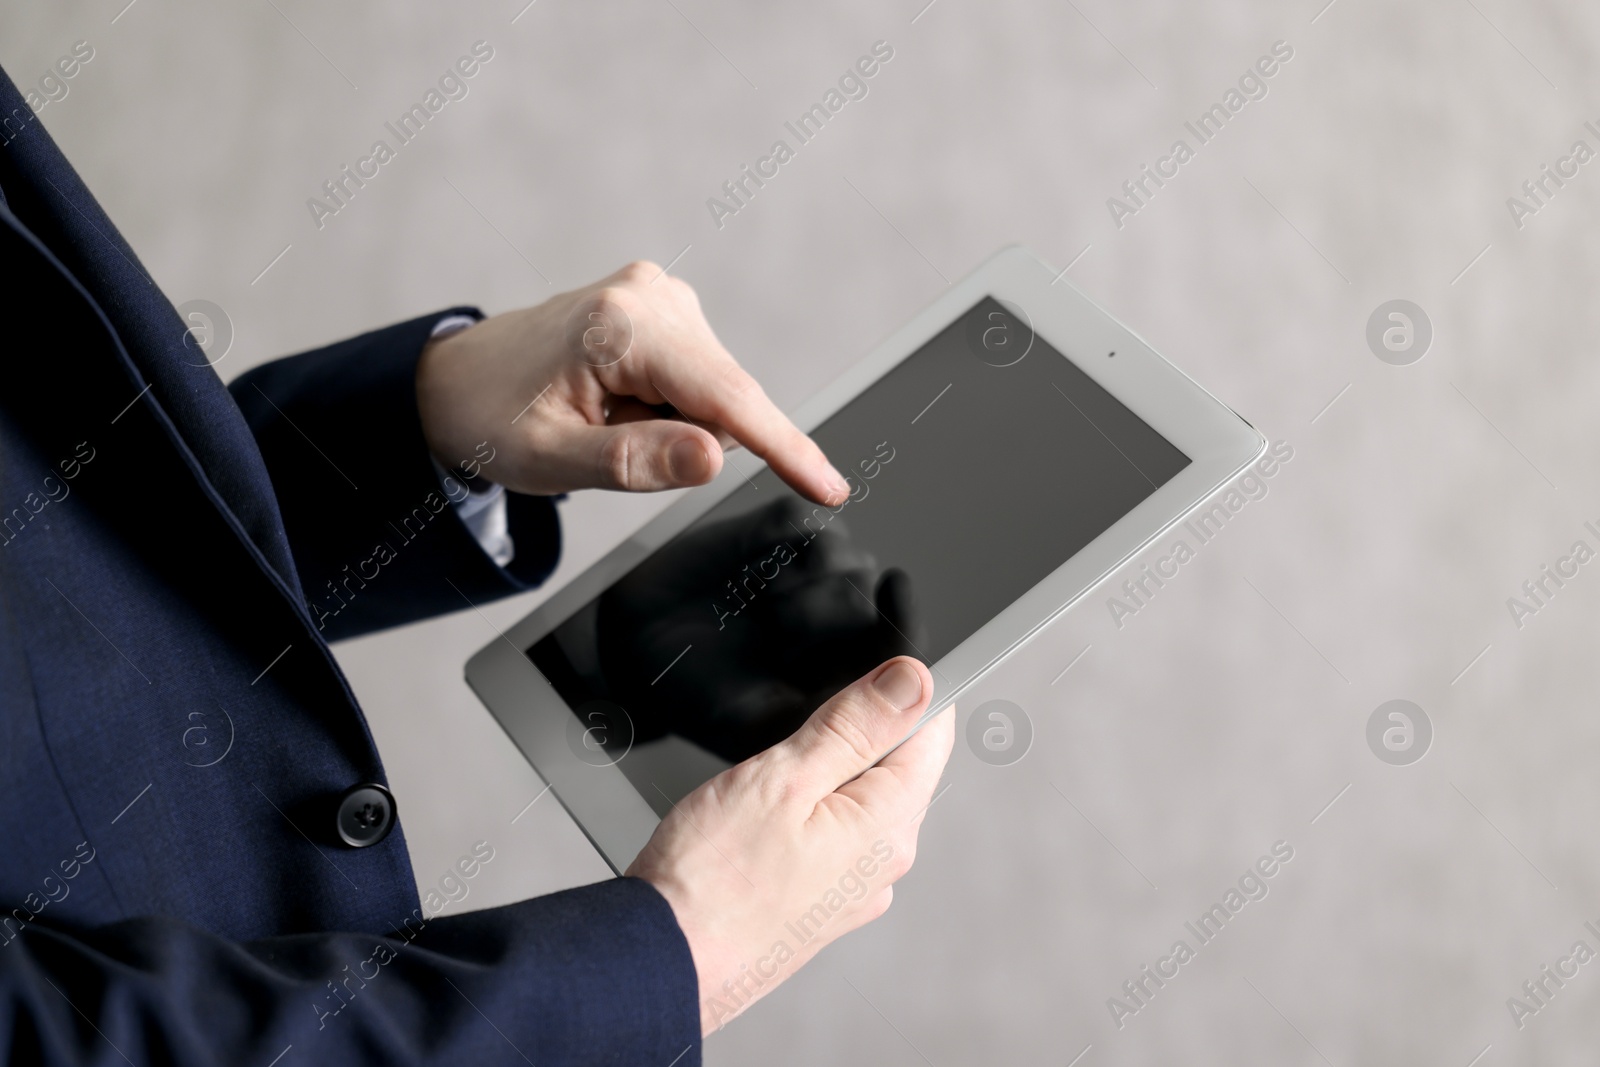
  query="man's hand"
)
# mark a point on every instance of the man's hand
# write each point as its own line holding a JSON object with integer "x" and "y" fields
{"x": 571, "y": 395}
{"x": 821, "y": 616}
{"x": 776, "y": 857}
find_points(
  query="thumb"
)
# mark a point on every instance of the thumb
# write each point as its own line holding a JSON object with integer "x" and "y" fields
{"x": 853, "y": 730}
{"x": 640, "y": 457}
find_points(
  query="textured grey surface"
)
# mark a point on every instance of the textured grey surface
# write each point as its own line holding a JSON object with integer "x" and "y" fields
{"x": 1222, "y": 717}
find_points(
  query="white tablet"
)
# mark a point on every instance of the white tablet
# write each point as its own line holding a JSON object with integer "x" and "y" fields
{"x": 1007, "y": 449}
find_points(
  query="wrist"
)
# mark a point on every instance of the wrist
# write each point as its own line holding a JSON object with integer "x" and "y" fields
{"x": 436, "y": 400}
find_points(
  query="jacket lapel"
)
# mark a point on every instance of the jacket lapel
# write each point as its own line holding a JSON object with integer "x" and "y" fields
{"x": 46, "y": 202}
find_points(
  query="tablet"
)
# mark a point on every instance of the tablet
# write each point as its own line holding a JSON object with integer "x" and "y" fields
{"x": 1006, "y": 450}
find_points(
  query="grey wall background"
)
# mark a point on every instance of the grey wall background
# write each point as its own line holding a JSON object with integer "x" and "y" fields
{"x": 1221, "y": 718}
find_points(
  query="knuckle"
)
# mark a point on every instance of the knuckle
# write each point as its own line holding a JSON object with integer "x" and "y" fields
{"x": 601, "y": 320}
{"x": 640, "y": 270}
{"x": 734, "y": 381}
{"x": 602, "y": 325}
{"x": 903, "y": 856}
{"x": 746, "y": 779}
{"x": 612, "y": 302}
{"x": 616, "y": 461}
{"x": 777, "y": 784}
{"x": 600, "y": 312}
{"x": 849, "y": 722}
{"x": 767, "y": 785}
{"x": 742, "y": 380}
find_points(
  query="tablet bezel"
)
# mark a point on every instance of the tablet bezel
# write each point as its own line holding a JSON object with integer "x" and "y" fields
{"x": 1220, "y": 445}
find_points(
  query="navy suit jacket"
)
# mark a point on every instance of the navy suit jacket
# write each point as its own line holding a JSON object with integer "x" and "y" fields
{"x": 173, "y": 557}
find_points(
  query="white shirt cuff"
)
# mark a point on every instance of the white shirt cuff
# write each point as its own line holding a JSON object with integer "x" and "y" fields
{"x": 482, "y": 511}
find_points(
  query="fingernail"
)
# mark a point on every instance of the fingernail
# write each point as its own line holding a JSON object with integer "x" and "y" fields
{"x": 686, "y": 461}
{"x": 899, "y": 684}
{"x": 836, "y": 483}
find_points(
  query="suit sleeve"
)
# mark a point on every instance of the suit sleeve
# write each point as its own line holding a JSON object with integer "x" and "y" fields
{"x": 597, "y": 975}
{"x": 374, "y": 536}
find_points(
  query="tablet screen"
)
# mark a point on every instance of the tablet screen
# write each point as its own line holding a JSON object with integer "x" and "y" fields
{"x": 977, "y": 466}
